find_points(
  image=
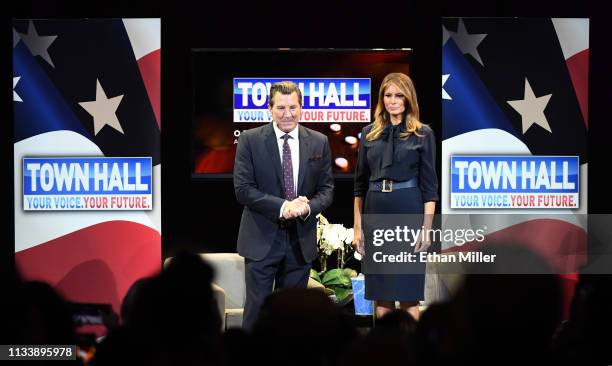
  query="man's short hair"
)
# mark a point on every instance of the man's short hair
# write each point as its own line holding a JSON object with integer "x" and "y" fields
{"x": 286, "y": 88}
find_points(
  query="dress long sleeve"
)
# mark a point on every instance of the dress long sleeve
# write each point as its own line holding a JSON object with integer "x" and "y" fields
{"x": 428, "y": 179}
{"x": 362, "y": 171}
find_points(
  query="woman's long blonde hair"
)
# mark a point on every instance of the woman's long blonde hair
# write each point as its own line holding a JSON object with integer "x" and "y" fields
{"x": 411, "y": 105}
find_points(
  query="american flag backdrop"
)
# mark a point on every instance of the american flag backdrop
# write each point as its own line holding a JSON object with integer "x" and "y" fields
{"x": 87, "y": 87}
{"x": 518, "y": 86}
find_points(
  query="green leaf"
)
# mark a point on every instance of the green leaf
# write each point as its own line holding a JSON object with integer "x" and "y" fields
{"x": 350, "y": 272}
{"x": 329, "y": 291}
{"x": 314, "y": 275}
{"x": 335, "y": 277}
{"x": 341, "y": 292}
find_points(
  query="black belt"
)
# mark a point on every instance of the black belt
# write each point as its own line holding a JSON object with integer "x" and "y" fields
{"x": 389, "y": 186}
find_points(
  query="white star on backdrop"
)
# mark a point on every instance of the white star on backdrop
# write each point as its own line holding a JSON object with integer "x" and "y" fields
{"x": 16, "y": 97}
{"x": 445, "y": 35}
{"x": 15, "y": 38}
{"x": 444, "y": 93}
{"x": 467, "y": 43}
{"x": 531, "y": 109}
{"x": 38, "y": 45}
{"x": 103, "y": 109}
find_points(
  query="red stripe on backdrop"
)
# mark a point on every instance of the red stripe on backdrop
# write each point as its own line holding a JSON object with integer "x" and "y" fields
{"x": 150, "y": 71}
{"x": 578, "y": 66}
{"x": 96, "y": 264}
{"x": 561, "y": 244}
{"x": 568, "y": 289}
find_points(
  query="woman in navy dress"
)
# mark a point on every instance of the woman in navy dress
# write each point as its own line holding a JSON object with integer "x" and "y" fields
{"x": 396, "y": 175}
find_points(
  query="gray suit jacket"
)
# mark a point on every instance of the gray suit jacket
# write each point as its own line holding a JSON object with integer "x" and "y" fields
{"x": 259, "y": 187}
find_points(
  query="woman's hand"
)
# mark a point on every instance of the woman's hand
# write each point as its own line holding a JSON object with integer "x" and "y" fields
{"x": 358, "y": 242}
{"x": 421, "y": 244}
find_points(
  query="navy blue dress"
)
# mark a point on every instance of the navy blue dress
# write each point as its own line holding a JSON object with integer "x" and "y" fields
{"x": 389, "y": 157}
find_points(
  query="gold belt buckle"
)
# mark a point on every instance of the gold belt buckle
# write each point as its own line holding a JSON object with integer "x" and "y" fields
{"x": 384, "y": 189}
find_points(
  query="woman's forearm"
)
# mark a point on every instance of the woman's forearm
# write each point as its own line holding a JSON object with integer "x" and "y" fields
{"x": 358, "y": 204}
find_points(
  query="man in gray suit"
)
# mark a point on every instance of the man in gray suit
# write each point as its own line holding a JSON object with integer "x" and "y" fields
{"x": 283, "y": 177}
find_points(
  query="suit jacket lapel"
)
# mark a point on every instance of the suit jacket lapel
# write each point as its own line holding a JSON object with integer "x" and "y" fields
{"x": 304, "y": 155}
{"x": 272, "y": 147}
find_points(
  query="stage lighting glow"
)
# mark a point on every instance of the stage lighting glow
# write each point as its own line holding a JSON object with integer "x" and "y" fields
{"x": 335, "y": 127}
{"x": 341, "y": 163}
{"x": 350, "y": 140}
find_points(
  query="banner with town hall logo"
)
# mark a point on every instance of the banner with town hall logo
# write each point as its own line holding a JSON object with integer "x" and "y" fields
{"x": 86, "y": 101}
{"x": 514, "y": 130}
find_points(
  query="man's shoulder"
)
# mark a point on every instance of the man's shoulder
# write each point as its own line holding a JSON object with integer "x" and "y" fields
{"x": 315, "y": 135}
{"x": 255, "y": 131}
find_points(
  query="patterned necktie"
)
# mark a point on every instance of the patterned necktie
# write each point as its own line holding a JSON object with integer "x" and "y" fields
{"x": 288, "y": 170}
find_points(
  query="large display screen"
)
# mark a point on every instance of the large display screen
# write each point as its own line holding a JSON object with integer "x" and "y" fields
{"x": 339, "y": 88}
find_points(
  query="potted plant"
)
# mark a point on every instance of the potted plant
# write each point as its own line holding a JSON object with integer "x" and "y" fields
{"x": 334, "y": 238}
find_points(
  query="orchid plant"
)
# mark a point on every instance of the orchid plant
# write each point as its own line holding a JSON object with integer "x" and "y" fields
{"x": 335, "y": 238}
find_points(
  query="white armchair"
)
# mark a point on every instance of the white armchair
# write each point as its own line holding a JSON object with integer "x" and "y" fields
{"x": 229, "y": 276}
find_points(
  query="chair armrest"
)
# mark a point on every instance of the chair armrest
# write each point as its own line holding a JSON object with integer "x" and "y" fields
{"x": 219, "y": 297}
